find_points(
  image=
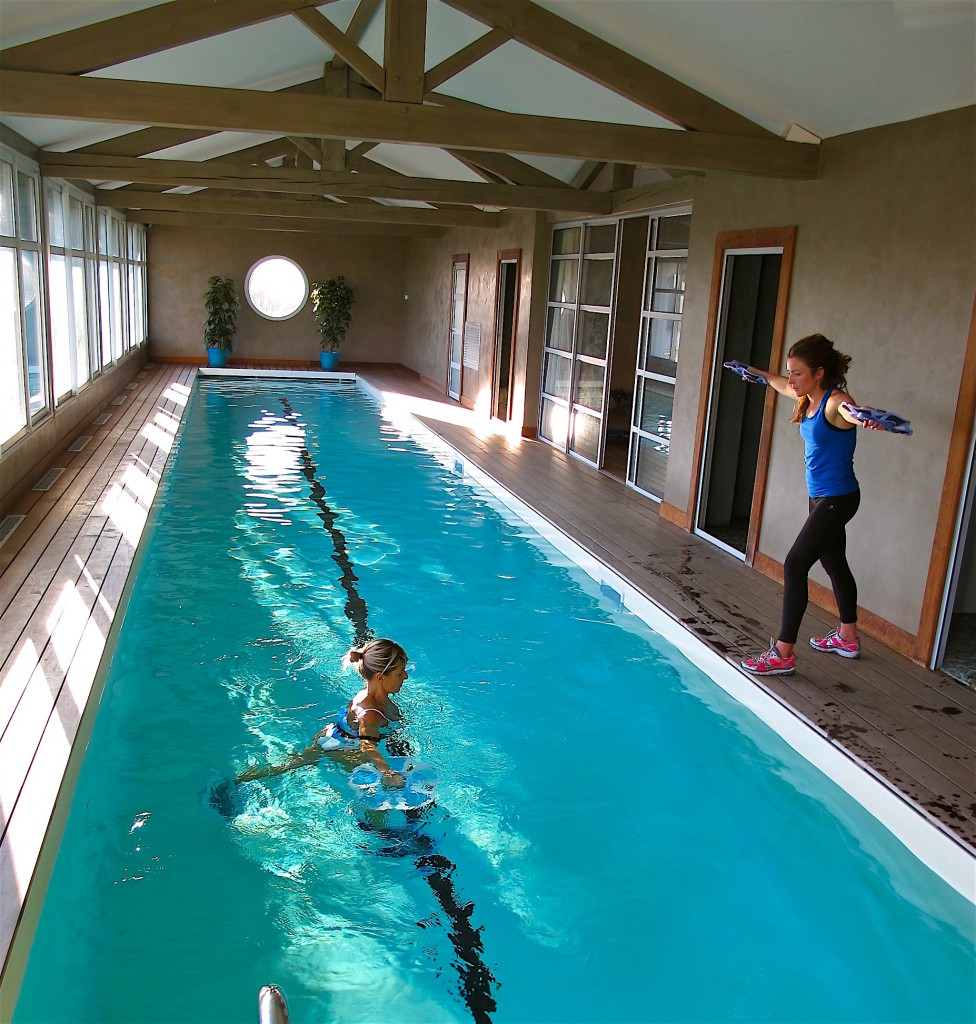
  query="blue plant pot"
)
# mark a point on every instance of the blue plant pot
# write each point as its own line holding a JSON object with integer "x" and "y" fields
{"x": 329, "y": 360}
{"x": 217, "y": 356}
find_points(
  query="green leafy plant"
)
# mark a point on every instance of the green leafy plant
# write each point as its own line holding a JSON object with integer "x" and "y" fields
{"x": 331, "y": 304}
{"x": 222, "y": 304}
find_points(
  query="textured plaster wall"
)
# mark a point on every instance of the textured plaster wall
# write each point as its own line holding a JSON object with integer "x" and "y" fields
{"x": 182, "y": 259}
{"x": 885, "y": 267}
{"x": 427, "y": 281}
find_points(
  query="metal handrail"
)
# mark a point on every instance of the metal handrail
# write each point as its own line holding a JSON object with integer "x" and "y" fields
{"x": 272, "y": 1007}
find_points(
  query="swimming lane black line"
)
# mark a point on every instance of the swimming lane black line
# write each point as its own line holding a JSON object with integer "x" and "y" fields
{"x": 475, "y": 979}
{"x": 355, "y": 609}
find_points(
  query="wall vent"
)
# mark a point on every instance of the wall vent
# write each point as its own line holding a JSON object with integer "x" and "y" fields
{"x": 80, "y": 443}
{"x": 47, "y": 481}
{"x": 7, "y": 526}
{"x": 100, "y": 421}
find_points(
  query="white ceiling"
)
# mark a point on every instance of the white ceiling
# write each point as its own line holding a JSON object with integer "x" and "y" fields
{"x": 830, "y": 66}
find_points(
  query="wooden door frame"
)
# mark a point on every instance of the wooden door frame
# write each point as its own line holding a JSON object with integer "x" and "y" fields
{"x": 465, "y": 258}
{"x": 505, "y": 256}
{"x": 952, "y": 495}
{"x": 756, "y": 238}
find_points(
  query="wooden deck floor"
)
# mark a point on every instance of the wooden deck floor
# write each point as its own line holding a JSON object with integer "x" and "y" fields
{"x": 63, "y": 570}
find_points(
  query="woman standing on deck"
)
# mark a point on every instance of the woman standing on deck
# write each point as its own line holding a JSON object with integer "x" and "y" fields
{"x": 816, "y": 377}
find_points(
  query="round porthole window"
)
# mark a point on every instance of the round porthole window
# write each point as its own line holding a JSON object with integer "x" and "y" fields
{"x": 276, "y": 287}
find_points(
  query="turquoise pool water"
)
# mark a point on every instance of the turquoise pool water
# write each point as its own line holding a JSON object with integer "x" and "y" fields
{"x": 614, "y": 838}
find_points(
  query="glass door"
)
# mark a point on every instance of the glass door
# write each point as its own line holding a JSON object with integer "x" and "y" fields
{"x": 657, "y": 360}
{"x": 459, "y": 298}
{"x": 574, "y": 369}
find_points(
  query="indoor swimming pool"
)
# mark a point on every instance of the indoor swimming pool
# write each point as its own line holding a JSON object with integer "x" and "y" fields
{"x": 614, "y": 837}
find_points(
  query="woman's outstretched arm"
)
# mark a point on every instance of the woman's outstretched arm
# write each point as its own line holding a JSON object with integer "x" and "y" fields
{"x": 310, "y": 755}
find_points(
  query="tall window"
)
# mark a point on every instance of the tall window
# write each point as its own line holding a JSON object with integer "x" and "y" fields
{"x": 657, "y": 360}
{"x": 574, "y": 370}
{"x": 71, "y": 281}
{"x": 136, "y": 270}
{"x": 63, "y": 322}
{"x": 24, "y": 391}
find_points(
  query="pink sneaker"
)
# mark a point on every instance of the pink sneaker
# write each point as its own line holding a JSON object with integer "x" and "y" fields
{"x": 769, "y": 663}
{"x": 834, "y": 642}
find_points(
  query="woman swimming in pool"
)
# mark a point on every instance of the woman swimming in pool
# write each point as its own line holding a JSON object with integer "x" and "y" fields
{"x": 816, "y": 377}
{"x": 353, "y": 736}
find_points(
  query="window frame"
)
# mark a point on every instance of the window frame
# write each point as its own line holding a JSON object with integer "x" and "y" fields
{"x": 30, "y": 413}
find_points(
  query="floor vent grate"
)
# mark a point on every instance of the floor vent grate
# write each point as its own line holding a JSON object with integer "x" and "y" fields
{"x": 7, "y": 526}
{"x": 119, "y": 399}
{"x": 100, "y": 421}
{"x": 47, "y": 481}
{"x": 131, "y": 386}
{"x": 80, "y": 443}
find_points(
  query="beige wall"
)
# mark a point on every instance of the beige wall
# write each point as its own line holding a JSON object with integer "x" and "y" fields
{"x": 428, "y": 283}
{"x": 181, "y": 260}
{"x": 885, "y": 267}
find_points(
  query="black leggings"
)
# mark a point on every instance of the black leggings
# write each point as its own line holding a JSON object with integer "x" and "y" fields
{"x": 822, "y": 539}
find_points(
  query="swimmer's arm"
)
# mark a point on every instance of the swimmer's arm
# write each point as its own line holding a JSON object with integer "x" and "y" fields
{"x": 310, "y": 755}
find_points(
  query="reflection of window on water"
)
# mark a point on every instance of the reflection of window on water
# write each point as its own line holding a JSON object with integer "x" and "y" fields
{"x": 276, "y": 287}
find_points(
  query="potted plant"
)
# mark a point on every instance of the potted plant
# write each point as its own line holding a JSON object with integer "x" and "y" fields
{"x": 331, "y": 304}
{"x": 222, "y": 304}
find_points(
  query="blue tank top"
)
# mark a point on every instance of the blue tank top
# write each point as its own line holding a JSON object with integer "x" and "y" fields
{"x": 829, "y": 455}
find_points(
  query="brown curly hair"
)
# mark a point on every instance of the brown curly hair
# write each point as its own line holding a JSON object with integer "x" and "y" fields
{"x": 818, "y": 353}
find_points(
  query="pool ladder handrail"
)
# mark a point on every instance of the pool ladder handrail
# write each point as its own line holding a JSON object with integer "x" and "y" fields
{"x": 272, "y": 1006}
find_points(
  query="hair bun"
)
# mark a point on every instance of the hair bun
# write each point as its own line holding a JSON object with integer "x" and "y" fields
{"x": 354, "y": 655}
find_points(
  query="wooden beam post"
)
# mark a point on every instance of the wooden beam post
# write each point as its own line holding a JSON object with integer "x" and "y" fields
{"x": 405, "y": 46}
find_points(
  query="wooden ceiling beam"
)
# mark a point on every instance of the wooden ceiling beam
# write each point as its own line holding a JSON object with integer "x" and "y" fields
{"x": 497, "y": 167}
{"x": 181, "y": 106}
{"x": 93, "y": 47}
{"x": 224, "y": 221}
{"x": 609, "y": 66}
{"x": 155, "y": 140}
{"x": 226, "y": 175}
{"x": 587, "y": 174}
{"x": 343, "y": 46}
{"x": 206, "y": 202}
{"x": 358, "y": 24}
{"x": 471, "y": 54}
{"x": 404, "y": 45}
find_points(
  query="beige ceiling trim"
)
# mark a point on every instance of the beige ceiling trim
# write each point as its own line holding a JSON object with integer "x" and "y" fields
{"x": 182, "y": 106}
{"x": 209, "y": 221}
{"x": 405, "y": 42}
{"x": 219, "y": 174}
{"x": 609, "y": 66}
{"x": 206, "y": 202}
{"x": 141, "y": 33}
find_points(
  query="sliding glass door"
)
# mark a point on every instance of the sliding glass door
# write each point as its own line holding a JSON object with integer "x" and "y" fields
{"x": 574, "y": 371}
